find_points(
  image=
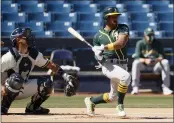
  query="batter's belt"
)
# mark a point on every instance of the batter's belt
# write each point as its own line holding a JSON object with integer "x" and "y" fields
{"x": 116, "y": 61}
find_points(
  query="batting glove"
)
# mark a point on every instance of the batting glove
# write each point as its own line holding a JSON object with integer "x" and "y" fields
{"x": 98, "y": 50}
{"x": 101, "y": 48}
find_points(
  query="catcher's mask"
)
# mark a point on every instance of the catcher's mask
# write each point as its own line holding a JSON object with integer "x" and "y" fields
{"x": 25, "y": 33}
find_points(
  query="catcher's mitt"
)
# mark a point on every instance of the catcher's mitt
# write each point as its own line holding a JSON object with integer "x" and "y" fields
{"x": 72, "y": 84}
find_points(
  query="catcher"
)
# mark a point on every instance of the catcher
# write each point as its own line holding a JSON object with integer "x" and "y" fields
{"x": 18, "y": 62}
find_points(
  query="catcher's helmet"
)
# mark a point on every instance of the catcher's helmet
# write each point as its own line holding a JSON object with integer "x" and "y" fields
{"x": 109, "y": 11}
{"x": 24, "y": 33}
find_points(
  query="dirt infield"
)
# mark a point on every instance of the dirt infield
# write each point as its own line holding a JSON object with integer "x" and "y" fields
{"x": 102, "y": 115}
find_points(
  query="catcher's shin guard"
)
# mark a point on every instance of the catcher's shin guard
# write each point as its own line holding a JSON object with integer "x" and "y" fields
{"x": 37, "y": 99}
{"x": 7, "y": 99}
{"x": 11, "y": 89}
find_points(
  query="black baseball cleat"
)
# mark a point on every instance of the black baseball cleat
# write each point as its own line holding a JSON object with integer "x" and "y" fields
{"x": 4, "y": 110}
{"x": 40, "y": 110}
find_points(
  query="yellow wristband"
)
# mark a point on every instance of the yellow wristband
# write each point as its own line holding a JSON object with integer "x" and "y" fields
{"x": 111, "y": 46}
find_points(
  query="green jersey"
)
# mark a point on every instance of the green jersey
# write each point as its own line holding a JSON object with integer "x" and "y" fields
{"x": 145, "y": 50}
{"x": 106, "y": 37}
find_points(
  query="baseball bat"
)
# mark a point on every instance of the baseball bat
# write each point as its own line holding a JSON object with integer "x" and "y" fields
{"x": 78, "y": 36}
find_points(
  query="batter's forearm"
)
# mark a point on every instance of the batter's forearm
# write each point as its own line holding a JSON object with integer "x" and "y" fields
{"x": 118, "y": 44}
{"x": 113, "y": 46}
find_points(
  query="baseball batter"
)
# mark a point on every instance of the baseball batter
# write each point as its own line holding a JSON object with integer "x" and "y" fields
{"x": 149, "y": 54}
{"x": 18, "y": 62}
{"x": 109, "y": 49}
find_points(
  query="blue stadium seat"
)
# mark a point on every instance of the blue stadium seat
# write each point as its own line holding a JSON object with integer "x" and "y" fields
{"x": 159, "y": 34}
{"x": 62, "y": 54}
{"x": 85, "y": 8}
{"x": 14, "y": 17}
{"x": 59, "y": 8}
{"x": 88, "y": 26}
{"x": 90, "y": 17}
{"x": 79, "y": 2}
{"x": 102, "y": 0}
{"x": 53, "y": 1}
{"x": 88, "y": 34}
{"x": 169, "y": 34}
{"x": 130, "y": 51}
{"x": 6, "y": 2}
{"x": 72, "y": 17}
{"x": 104, "y": 4}
{"x": 141, "y": 26}
{"x": 32, "y": 8}
{"x": 135, "y": 2}
{"x": 165, "y": 17}
{"x": 133, "y": 34}
{"x": 145, "y": 17}
{"x": 167, "y": 26}
{"x": 140, "y": 34}
{"x": 157, "y": 2}
{"x": 41, "y": 16}
{"x": 6, "y": 34}
{"x": 121, "y": 7}
{"x": 63, "y": 57}
{"x": 47, "y": 34}
{"x": 138, "y": 8}
{"x": 162, "y": 8}
{"x": 9, "y": 8}
{"x": 58, "y": 26}
{"x": 35, "y": 26}
{"x": 124, "y": 18}
{"x": 34, "y": 2}
{"x": 7, "y": 26}
{"x": 64, "y": 34}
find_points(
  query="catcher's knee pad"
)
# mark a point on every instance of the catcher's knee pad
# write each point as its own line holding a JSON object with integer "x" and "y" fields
{"x": 45, "y": 87}
{"x": 14, "y": 83}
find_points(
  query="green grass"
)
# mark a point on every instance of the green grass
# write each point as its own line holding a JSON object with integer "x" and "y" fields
{"x": 140, "y": 101}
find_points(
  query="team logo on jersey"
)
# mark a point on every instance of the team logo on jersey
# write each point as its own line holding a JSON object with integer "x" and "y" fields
{"x": 148, "y": 53}
{"x": 114, "y": 34}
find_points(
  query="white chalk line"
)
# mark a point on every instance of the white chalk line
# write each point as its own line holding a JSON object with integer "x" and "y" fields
{"x": 74, "y": 117}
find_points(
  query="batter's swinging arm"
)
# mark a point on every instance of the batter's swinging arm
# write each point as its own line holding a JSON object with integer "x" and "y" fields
{"x": 78, "y": 36}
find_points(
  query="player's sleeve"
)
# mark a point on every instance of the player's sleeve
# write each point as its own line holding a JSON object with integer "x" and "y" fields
{"x": 96, "y": 40}
{"x": 41, "y": 61}
{"x": 7, "y": 61}
{"x": 124, "y": 29}
{"x": 138, "y": 53}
